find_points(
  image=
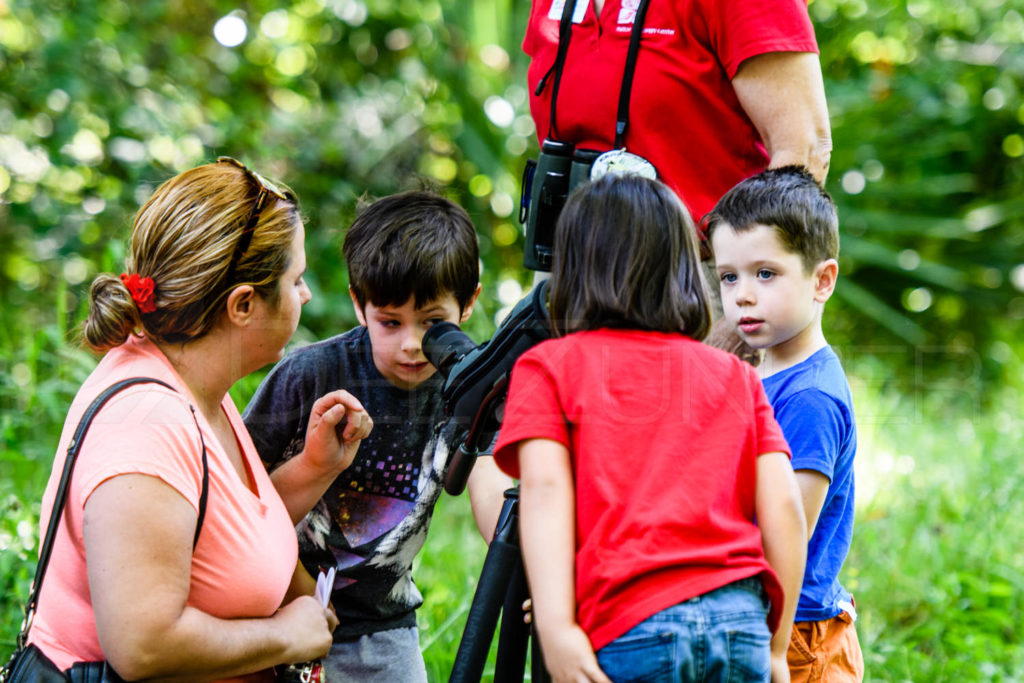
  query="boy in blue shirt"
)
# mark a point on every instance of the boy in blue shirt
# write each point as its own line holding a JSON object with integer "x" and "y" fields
{"x": 412, "y": 261}
{"x": 775, "y": 240}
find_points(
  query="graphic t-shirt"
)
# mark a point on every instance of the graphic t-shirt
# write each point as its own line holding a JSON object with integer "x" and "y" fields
{"x": 373, "y": 519}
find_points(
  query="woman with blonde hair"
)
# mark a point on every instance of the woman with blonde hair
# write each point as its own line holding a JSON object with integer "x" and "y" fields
{"x": 145, "y": 573}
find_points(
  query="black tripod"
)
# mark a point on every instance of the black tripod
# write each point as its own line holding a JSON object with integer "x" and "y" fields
{"x": 502, "y": 588}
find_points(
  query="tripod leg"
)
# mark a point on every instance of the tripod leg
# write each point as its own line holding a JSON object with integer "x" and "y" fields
{"x": 514, "y": 636}
{"x": 502, "y": 558}
{"x": 538, "y": 672}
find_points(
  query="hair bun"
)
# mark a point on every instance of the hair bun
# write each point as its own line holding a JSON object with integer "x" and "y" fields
{"x": 113, "y": 314}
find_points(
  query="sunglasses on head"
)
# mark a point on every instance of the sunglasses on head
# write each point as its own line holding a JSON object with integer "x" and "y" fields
{"x": 267, "y": 190}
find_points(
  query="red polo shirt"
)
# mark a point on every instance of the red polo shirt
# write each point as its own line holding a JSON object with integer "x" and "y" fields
{"x": 684, "y": 115}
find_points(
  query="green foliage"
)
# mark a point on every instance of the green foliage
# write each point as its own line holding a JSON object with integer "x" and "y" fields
{"x": 936, "y": 573}
{"x": 18, "y": 523}
{"x": 927, "y": 116}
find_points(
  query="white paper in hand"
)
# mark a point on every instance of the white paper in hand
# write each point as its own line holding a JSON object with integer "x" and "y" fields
{"x": 324, "y": 586}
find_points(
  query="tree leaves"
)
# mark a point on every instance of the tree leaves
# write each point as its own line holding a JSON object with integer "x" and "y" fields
{"x": 100, "y": 100}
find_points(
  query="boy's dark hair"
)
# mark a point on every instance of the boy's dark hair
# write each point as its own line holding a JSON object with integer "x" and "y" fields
{"x": 790, "y": 200}
{"x": 414, "y": 244}
{"x": 626, "y": 256}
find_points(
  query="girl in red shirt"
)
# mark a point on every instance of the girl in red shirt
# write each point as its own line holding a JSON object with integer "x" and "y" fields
{"x": 644, "y": 458}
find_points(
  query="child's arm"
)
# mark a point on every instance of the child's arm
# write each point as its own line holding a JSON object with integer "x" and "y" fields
{"x": 301, "y": 584}
{"x": 780, "y": 517}
{"x": 487, "y": 485}
{"x": 813, "y": 489}
{"x": 816, "y": 427}
{"x": 547, "y": 521}
{"x": 302, "y": 480}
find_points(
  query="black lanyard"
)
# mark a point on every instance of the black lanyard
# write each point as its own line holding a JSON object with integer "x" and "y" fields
{"x": 564, "y": 36}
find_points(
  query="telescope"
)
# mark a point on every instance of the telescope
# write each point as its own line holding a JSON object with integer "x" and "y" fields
{"x": 476, "y": 377}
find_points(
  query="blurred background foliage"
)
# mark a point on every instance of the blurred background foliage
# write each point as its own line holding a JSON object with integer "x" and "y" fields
{"x": 101, "y": 100}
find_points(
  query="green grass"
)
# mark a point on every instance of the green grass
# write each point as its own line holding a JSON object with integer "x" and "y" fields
{"x": 937, "y": 565}
{"x": 447, "y": 573}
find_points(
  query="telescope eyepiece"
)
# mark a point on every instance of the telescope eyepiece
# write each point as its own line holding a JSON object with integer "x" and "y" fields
{"x": 444, "y": 345}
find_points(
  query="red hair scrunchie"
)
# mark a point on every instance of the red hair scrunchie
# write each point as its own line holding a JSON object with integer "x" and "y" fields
{"x": 142, "y": 291}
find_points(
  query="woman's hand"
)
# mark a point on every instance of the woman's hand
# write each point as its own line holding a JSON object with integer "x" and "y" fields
{"x": 337, "y": 424}
{"x": 309, "y": 625}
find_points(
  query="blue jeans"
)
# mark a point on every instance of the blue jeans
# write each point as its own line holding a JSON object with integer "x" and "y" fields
{"x": 719, "y": 636}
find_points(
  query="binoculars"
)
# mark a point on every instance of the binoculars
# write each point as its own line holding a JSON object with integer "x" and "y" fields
{"x": 546, "y": 185}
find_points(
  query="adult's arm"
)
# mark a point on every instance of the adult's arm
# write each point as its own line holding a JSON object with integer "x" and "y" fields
{"x": 302, "y": 480}
{"x": 783, "y": 93}
{"x": 138, "y": 534}
{"x": 547, "y": 520}
{"x": 487, "y": 485}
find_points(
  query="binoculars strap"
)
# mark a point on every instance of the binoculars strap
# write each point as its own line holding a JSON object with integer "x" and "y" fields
{"x": 625, "y": 91}
{"x": 622, "y": 118}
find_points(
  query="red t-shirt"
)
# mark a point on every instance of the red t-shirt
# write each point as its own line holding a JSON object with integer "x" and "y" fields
{"x": 684, "y": 115}
{"x": 664, "y": 434}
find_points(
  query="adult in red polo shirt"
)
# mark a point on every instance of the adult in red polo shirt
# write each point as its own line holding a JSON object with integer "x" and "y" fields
{"x": 722, "y": 88}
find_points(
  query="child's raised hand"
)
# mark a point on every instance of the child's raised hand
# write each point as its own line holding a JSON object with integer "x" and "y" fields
{"x": 337, "y": 424}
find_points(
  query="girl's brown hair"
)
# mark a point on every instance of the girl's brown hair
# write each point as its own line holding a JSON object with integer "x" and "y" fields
{"x": 184, "y": 238}
{"x": 626, "y": 256}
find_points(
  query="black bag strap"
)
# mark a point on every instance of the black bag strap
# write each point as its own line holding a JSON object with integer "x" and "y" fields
{"x": 46, "y": 549}
{"x": 626, "y": 89}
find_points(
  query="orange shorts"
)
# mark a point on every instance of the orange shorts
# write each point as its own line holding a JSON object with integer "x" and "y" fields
{"x": 825, "y": 651}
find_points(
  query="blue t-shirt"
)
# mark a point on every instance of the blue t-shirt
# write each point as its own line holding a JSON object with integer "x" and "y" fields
{"x": 814, "y": 407}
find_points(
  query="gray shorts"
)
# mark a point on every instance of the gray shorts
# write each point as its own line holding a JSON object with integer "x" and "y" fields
{"x": 384, "y": 657}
